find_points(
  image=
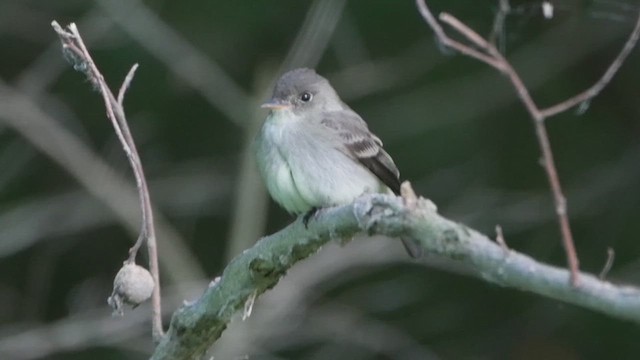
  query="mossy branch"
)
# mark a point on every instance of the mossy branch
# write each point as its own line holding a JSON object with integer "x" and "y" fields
{"x": 196, "y": 326}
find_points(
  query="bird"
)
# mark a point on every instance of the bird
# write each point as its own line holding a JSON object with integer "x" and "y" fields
{"x": 313, "y": 151}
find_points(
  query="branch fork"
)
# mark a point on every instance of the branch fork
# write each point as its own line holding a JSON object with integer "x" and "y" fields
{"x": 490, "y": 55}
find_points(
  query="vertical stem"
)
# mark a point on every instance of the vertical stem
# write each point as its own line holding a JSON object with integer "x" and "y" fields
{"x": 558, "y": 197}
{"x": 156, "y": 309}
{"x": 74, "y": 45}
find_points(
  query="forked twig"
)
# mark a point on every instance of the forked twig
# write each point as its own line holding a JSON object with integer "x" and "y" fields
{"x": 490, "y": 55}
{"x": 75, "y": 50}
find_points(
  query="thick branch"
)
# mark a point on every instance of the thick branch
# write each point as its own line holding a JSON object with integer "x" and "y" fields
{"x": 196, "y": 326}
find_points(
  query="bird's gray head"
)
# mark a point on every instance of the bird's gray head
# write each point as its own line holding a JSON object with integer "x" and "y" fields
{"x": 302, "y": 90}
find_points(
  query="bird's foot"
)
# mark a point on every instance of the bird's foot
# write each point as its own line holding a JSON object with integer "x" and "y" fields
{"x": 308, "y": 215}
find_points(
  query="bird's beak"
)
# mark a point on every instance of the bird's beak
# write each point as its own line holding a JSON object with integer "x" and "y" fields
{"x": 274, "y": 104}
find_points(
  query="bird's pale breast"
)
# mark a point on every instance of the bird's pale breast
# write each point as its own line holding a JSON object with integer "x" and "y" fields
{"x": 303, "y": 168}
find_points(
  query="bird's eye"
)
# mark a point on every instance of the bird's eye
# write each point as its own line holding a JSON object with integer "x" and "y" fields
{"x": 306, "y": 96}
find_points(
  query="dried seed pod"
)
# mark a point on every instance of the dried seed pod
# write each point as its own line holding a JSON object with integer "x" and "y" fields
{"x": 133, "y": 285}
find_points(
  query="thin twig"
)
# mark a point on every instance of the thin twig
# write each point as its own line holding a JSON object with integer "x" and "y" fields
{"x": 500, "y": 238}
{"x": 445, "y": 40}
{"x": 611, "y": 255}
{"x": 470, "y": 34}
{"x": 595, "y": 89}
{"x": 71, "y": 40}
{"x": 497, "y": 32}
{"x": 125, "y": 84}
{"x": 494, "y": 58}
{"x": 559, "y": 199}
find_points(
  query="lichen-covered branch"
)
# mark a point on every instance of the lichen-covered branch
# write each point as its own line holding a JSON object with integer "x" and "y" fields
{"x": 195, "y": 327}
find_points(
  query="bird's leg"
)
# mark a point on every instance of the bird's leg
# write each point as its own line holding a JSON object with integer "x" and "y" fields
{"x": 308, "y": 215}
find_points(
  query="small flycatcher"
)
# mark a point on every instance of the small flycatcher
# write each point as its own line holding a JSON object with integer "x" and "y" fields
{"x": 313, "y": 151}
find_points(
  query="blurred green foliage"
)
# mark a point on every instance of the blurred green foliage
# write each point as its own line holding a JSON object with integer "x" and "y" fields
{"x": 454, "y": 127}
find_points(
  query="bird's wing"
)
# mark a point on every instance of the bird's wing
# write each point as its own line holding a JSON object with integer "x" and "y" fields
{"x": 359, "y": 143}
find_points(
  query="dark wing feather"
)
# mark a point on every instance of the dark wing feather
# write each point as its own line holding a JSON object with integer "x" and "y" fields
{"x": 359, "y": 143}
{"x": 363, "y": 146}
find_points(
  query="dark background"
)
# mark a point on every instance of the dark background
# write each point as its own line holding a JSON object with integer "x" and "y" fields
{"x": 454, "y": 127}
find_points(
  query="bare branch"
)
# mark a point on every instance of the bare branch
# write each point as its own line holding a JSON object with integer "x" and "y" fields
{"x": 497, "y": 35}
{"x": 495, "y": 59}
{"x": 471, "y": 35}
{"x": 71, "y": 40}
{"x": 596, "y": 88}
{"x": 447, "y": 41}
